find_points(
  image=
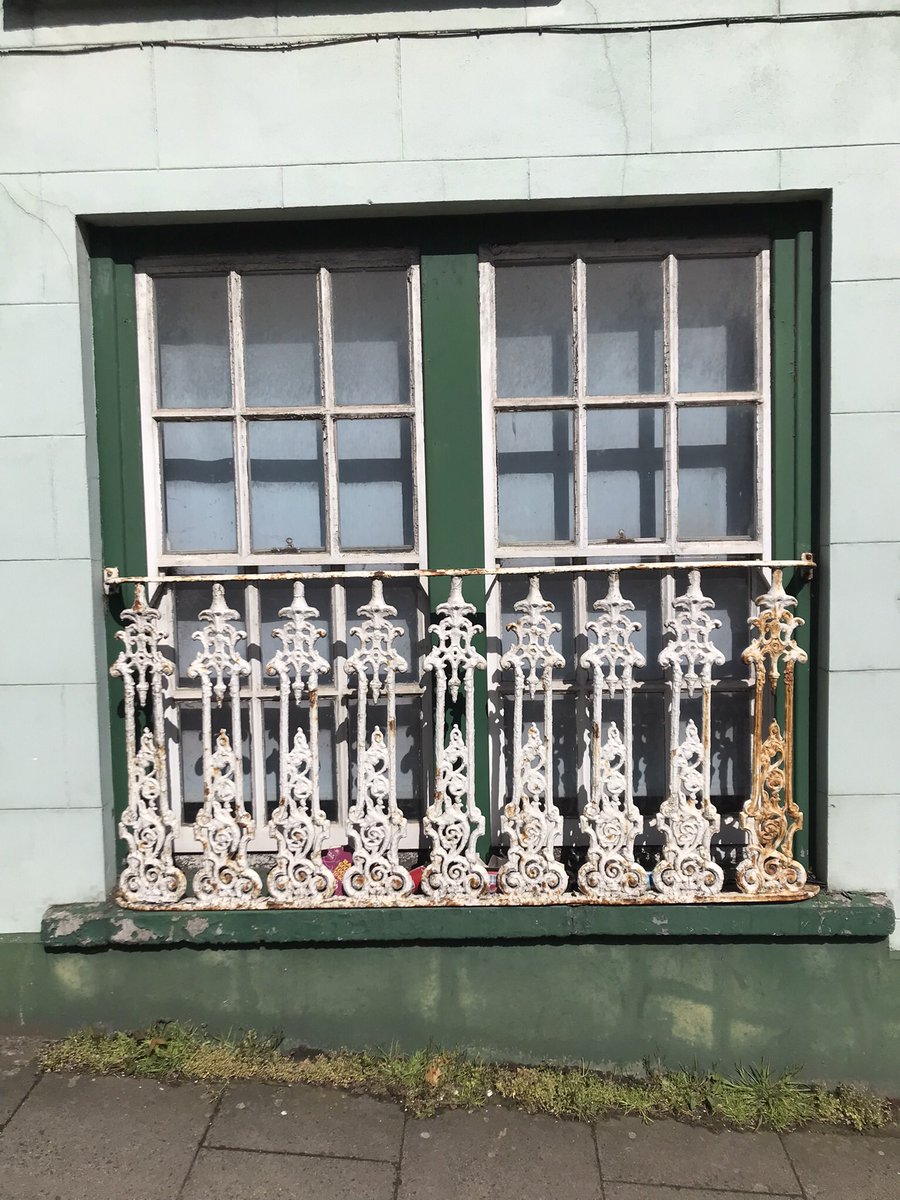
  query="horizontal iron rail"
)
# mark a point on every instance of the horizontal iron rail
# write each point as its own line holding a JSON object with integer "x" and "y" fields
{"x": 112, "y": 579}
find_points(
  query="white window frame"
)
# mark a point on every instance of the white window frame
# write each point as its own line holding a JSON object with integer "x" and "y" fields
{"x": 580, "y": 550}
{"x": 335, "y": 690}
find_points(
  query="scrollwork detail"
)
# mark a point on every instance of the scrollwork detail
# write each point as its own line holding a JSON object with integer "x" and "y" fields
{"x": 376, "y": 826}
{"x": 224, "y": 829}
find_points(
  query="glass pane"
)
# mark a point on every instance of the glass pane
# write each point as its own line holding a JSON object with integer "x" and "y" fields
{"x": 192, "y": 342}
{"x": 191, "y": 750}
{"x": 566, "y": 751}
{"x": 730, "y": 773}
{"x": 624, "y": 328}
{"x": 287, "y": 485}
{"x": 375, "y": 486}
{"x": 371, "y": 337}
{"x": 649, "y": 763}
{"x": 626, "y": 487}
{"x": 730, "y": 743}
{"x": 275, "y": 596}
{"x": 716, "y": 325}
{"x": 534, "y": 476}
{"x": 198, "y": 483}
{"x": 716, "y": 467}
{"x": 534, "y": 331}
{"x": 327, "y": 772}
{"x": 731, "y": 593}
{"x": 410, "y": 787}
{"x": 281, "y": 340}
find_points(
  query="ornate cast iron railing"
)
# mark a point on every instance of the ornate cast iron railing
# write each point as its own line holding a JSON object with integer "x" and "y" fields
{"x": 224, "y": 874}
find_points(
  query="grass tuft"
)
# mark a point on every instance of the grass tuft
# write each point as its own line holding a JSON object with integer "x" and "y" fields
{"x": 429, "y": 1081}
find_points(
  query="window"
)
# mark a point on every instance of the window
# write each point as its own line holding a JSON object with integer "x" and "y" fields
{"x": 282, "y": 430}
{"x": 565, "y": 408}
{"x": 630, "y": 400}
{"x": 627, "y": 398}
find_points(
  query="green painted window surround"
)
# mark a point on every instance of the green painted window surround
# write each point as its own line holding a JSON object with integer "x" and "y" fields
{"x": 451, "y": 367}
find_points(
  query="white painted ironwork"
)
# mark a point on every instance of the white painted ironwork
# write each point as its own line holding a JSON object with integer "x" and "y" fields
{"x": 687, "y": 817}
{"x": 227, "y": 877}
{"x": 530, "y": 819}
{"x": 148, "y": 824}
{"x": 223, "y": 826}
{"x": 375, "y": 821}
{"x": 771, "y": 816}
{"x": 610, "y": 817}
{"x": 298, "y": 823}
{"x": 453, "y": 821}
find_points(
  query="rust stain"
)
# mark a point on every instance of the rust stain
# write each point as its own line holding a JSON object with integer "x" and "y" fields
{"x": 771, "y": 817}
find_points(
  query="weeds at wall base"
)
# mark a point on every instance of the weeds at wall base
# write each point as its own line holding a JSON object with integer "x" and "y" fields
{"x": 430, "y": 1081}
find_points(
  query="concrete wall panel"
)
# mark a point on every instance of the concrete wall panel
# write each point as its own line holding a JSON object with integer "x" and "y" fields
{"x": 40, "y": 348}
{"x": 46, "y": 856}
{"x": 865, "y": 318}
{"x": 49, "y": 746}
{"x": 752, "y": 86}
{"x": 322, "y": 104}
{"x": 522, "y": 96}
{"x": 66, "y": 112}
{"x": 43, "y": 499}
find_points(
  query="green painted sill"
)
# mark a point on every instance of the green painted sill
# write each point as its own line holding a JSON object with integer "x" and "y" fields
{"x": 828, "y": 915}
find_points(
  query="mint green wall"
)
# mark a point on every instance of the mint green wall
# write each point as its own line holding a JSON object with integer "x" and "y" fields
{"x": 832, "y": 1008}
{"x": 742, "y": 111}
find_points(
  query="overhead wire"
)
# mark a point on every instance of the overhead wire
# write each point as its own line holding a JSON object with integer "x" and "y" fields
{"x": 312, "y": 42}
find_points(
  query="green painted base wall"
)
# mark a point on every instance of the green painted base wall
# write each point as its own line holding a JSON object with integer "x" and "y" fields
{"x": 832, "y": 1007}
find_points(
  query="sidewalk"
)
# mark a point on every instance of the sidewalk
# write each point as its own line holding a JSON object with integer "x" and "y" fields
{"x": 71, "y": 1137}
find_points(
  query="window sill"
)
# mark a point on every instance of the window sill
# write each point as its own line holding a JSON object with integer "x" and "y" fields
{"x": 828, "y": 915}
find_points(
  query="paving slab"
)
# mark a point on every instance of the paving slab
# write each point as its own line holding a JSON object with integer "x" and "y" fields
{"x": 78, "y": 1138}
{"x": 648, "y": 1192}
{"x": 498, "y": 1152}
{"x": 668, "y": 1152}
{"x": 307, "y": 1120}
{"x": 645, "y": 1191}
{"x": 837, "y": 1166}
{"x": 241, "y": 1174}
{"x": 18, "y": 1071}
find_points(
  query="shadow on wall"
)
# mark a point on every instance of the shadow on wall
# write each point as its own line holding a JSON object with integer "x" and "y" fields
{"x": 34, "y": 14}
